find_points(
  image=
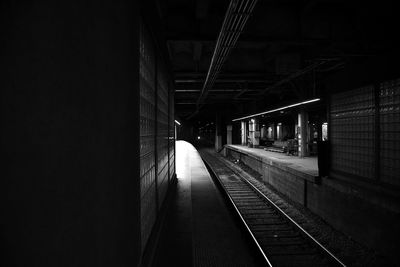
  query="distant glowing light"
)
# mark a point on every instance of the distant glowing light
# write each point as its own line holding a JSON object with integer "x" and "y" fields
{"x": 198, "y": 137}
{"x": 177, "y": 122}
{"x": 278, "y": 109}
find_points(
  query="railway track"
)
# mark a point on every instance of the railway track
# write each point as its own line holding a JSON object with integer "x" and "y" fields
{"x": 281, "y": 240}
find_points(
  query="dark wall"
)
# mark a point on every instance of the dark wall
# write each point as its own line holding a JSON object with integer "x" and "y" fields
{"x": 363, "y": 136}
{"x": 157, "y": 143}
{"x": 363, "y": 71}
{"x": 69, "y": 133}
{"x": 186, "y": 131}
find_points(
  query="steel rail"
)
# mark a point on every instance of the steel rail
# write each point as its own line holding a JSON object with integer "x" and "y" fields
{"x": 287, "y": 216}
{"x": 238, "y": 213}
{"x": 263, "y": 196}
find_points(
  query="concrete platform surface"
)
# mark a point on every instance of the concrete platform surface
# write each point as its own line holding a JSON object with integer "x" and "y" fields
{"x": 199, "y": 229}
{"x": 307, "y": 165}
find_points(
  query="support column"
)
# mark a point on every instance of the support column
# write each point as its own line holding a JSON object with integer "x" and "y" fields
{"x": 218, "y": 131}
{"x": 243, "y": 131}
{"x": 273, "y": 131}
{"x": 229, "y": 134}
{"x": 263, "y": 132}
{"x": 303, "y": 133}
{"x": 254, "y": 129}
{"x": 176, "y": 133}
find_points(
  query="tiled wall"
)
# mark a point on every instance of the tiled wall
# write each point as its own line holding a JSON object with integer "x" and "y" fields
{"x": 171, "y": 145}
{"x": 389, "y": 112}
{"x": 155, "y": 138}
{"x": 365, "y": 133}
{"x": 353, "y": 132}
{"x": 162, "y": 132}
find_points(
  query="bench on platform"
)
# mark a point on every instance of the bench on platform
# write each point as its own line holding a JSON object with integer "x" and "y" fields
{"x": 278, "y": 146}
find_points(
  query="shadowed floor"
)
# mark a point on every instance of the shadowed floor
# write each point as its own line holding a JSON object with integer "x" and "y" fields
{"x": 199, "y": 228}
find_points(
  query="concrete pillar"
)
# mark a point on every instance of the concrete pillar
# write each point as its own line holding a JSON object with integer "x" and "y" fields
{"x": 243, "y": 132}
{"x": 254, "y": 129}
{"x": 303, "y": 133}
{"x": 218, "y": 131}
{"x": 229, "y": 134}
{"x": 273, "y": 125}
{"x": 263, "y": 132}
{"x": 176, "y": 134}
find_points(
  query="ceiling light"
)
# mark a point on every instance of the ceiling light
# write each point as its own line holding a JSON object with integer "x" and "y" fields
{"x": 278, "y": 109}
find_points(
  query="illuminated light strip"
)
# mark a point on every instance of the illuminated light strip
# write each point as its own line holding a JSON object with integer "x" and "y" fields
{"x": 274, "y": 110}
{"x": 177, "y": 122}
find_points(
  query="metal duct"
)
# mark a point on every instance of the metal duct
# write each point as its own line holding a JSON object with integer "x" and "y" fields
{"x": 235, "y": 19}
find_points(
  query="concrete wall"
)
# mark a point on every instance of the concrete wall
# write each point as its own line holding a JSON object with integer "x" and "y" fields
{"x": 364, "y": 137}
{"x": 368, "y": 215}
{"x": 70, "y": 133}
{"x": 363, "y": 214}
{"x": 286, "y": 180}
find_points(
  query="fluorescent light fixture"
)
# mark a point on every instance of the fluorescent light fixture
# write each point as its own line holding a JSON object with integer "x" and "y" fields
{"x": 177, "y": 122}
{"x": 274, "y": 110}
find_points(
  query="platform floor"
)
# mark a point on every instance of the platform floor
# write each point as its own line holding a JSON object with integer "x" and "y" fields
{"x": 307, "y": 165}
{"x": 200, "y": 229}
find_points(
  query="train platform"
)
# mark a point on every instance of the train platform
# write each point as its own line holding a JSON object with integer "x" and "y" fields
{"x": 199, "y": 229}
{"x": 306, "y": 165}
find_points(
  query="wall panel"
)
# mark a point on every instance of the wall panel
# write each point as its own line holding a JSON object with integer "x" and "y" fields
{"x": 162, "y": 131}
{"x": 353, "y": 132}
{"x": 171, "y": 134}
{"x": 147, "y": 134}
{"x": 365, "y": 138}
{"x": 155, "y": 112}
{"x": 389, "y": 109}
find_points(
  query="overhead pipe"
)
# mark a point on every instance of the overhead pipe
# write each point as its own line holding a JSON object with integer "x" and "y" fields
{"x": 235, "y": 26}
{"x": 235, "y": 19}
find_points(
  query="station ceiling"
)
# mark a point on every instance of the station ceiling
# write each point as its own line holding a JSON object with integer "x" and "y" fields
{"x": 284, "y": 52}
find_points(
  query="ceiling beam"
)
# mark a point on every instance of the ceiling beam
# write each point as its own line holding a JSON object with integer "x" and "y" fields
{"x": 185, "y": 37}
{"x": 225, "y": 81}
{"x": 216, "y": 90}
{"x": 223, "y": 76}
